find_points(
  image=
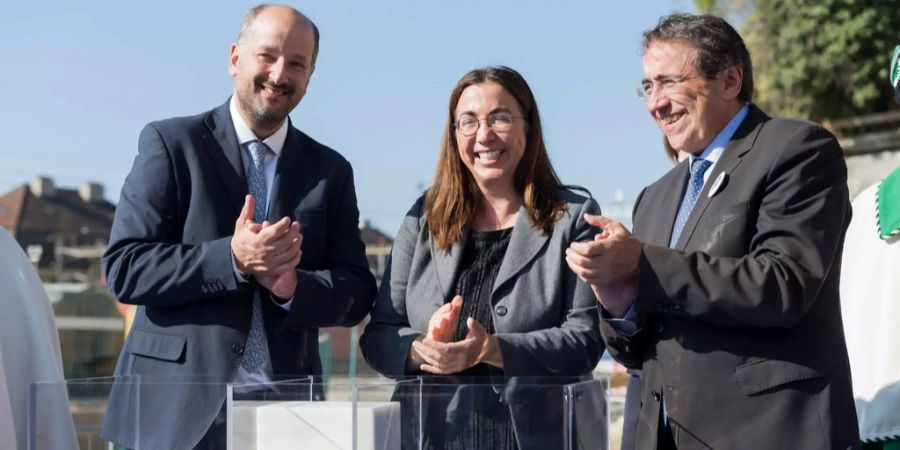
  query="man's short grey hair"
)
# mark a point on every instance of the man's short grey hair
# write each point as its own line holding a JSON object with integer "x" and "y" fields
{"x": 251, "y": 15}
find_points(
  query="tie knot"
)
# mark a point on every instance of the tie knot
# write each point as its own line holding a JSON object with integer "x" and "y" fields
{"x": 699, "y": 166}
{"x": 258, "y": 151}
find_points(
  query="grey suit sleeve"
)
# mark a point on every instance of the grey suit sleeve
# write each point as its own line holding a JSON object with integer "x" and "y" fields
{"x": 388, "y": 337}
{"x": 341, "y": 293}
{"x": 572, "y": 348}
{"x": 144, "y": 263}
{"x": 795, "y": 241}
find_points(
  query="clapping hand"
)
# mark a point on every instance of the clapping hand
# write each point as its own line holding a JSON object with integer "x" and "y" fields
{"x": 434, "y": 352}
{"x": 269, "y": 252}
{"x": 442, "y": 358}
{"x": 608, "y": 263}
{"x": 443, "y": 323}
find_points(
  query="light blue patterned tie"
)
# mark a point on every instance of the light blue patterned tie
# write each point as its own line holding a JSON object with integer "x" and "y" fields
{"x": 256, "y": 351}
{"x": 691, "y": 193}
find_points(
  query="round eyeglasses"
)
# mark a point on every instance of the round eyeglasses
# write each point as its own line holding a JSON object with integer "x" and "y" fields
{"x": 663, "y": 86}
{"x": 468, "y": 125}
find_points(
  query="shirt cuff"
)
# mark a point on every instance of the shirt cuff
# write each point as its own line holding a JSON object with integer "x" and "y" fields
{"x": 628, "y": 325}
{"x": 237, "y": 273}
{"x": 286, "y": 305}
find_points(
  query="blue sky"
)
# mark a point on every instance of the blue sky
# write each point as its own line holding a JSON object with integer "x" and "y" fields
{"x": 80, "y": 79}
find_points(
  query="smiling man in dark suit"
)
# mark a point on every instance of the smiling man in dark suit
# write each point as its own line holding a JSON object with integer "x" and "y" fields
{"x": 237, "y": 235}
{"x": 726, "y": 295}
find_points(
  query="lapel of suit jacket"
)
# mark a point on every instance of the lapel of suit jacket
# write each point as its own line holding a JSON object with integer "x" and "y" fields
{"x": 524, "y": 245}
{"x": 661, "y": 202}
{"x": 446, "y": 264}
{"x": 223, "y": 149}
{"x": 737, "y": 147}
{"x": 290, "y": 173}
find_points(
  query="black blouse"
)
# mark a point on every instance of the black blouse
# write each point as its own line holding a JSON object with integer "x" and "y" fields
{"x": 479, "y": 267}
{"x": 487, "y": 423}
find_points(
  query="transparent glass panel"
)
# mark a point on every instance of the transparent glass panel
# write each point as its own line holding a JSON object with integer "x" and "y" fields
{"x": 485, "y": 413}
{"x": 616, "y": 419}
{"x": 587, "y": 415}
{"x": 383, "y": 421}
{"x": 303, "y": 413}
{"x": 130, "y": 412}
{"x": 366, "y": 414}
{"x": 67, "y": 414}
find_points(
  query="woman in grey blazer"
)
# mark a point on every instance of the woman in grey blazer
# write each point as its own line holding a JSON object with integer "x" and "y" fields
{"x": 477, "y": 284}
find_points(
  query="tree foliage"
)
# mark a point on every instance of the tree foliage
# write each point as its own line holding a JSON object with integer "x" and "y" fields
{"x": 817, "y": 59}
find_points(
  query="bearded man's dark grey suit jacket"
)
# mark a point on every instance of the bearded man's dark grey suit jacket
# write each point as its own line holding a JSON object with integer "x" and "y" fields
{"x": 170, "y": 254}
{"x": 741, "y": 325}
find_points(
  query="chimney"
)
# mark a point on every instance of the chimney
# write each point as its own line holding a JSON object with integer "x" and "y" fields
{"x": 43, "y": 187}
{"x": 91, "y": 192}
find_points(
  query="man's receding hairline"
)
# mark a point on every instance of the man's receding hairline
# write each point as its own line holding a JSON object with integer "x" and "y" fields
{"x": 253, "y": 14}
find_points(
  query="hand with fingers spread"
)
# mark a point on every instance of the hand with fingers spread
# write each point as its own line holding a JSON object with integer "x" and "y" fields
{"x": 265, "y": 249}
{"x": 443, "y": 358}
{"x": 609, "y": 263}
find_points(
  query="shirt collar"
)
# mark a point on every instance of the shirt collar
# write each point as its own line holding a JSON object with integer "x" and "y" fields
{"x": 715, "y": 148}
{"x": 245, "y": 134}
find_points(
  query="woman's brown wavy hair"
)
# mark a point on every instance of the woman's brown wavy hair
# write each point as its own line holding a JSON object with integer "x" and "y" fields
{"x": 451, "y": 200}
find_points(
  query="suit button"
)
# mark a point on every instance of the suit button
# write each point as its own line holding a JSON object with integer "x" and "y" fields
{"x": 238, "y": 348}
{"x": 501, "y": 310}
{"x": 660, "y": 328}
{"x": 655, "y": 395}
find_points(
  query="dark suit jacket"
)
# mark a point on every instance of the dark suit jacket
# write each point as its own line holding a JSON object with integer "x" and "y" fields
{"x": 741, "y": 323}
{"x": 170, "y": 254}
{"x": 545, "y": 318}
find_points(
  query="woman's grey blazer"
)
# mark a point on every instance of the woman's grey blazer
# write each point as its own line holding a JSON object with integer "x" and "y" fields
{"x": 545, "y": 318}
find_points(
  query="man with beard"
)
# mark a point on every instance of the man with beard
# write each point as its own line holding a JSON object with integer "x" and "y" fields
{"x": 237, "y": 237}
{"x": 726, "y": 295}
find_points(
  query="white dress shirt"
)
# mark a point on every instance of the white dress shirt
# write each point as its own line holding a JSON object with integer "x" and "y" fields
{"x": 276, "y": 144}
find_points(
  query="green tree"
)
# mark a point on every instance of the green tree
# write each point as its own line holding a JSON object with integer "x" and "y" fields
{"x": 817, "y": 59}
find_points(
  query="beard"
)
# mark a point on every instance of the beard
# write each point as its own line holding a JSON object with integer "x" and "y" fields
{"x": 260, "y": 113}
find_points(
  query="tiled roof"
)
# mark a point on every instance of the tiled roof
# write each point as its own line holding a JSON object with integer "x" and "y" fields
{"x": 65, "y": 211}
{"x": 11, "y": 208}
{"x": 374, "y": 236}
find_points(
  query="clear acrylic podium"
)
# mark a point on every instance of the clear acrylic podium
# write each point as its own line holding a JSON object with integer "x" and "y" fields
{"x": 358, "y": 414}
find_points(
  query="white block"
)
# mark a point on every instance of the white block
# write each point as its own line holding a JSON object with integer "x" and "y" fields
{"x": 261, "y": 425}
